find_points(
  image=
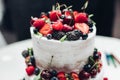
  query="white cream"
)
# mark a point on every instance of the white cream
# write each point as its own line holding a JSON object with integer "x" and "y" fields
{"x": 68, "y": 55}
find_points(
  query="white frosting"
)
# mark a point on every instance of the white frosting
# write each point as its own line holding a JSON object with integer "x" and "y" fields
{"x": 68, "y": 55}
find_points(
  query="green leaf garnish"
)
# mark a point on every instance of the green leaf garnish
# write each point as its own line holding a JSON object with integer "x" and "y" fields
{"x": 63, "y": 38}
{"x": 85, "y": 6}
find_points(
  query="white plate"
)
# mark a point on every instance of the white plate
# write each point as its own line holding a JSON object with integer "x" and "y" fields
{"x": 12, "y": 65}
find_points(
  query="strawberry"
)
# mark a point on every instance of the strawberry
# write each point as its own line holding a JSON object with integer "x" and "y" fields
{"x": 81, "y": 18}
{"x": 54, "y": 15}
{"x": 74, "y": 76}
{"x": 46, "y": 29}
{"x": 57, "y": 26}
{"x": 75, "y": 13}
{"x": 30, "y": 70}
{"x": 67, "y": 28}
{"x": 39, "y": 23}
{"x": 33, "y": 20}
{"x": 83, "y": 27}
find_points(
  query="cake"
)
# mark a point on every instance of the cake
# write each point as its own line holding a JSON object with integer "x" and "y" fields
{"x": 63, "y": 47}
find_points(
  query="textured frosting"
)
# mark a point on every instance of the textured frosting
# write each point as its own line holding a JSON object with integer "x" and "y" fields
{"x": 68, "y": 55}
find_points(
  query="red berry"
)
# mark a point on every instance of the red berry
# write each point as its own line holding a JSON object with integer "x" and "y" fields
{"x": 74, "y": 76}
{"x": 33, "y": 20}
{"x": 67, "y": 13}
{"x": 54, "y": 15}
{"x": 83, "y": 27}
{"x": 93, "y": 72}
{"x": 105, "y": 78}
{"x": 67, "y": 28}
{"x": 39, "y": 23}
{"x": 30, "y": 70}
{"x": 46, "y": 29}
{"x": 81, "y": 18}
{"x": 61, "y": 75}
{"x": 75, "y": 13}
{"x": 45, "y": 74}
{"x": 57, "y": 26}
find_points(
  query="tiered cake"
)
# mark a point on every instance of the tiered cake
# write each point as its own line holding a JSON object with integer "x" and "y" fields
{"x": 63, "y": 47}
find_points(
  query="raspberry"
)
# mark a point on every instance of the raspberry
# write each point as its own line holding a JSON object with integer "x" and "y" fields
{"x": 39, "y": 23}
{"x": 54, "y": 15}
{"x": 30, "y": 70}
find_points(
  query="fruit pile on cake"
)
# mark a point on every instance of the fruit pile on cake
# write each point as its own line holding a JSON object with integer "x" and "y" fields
{"x": 63, "y": 47}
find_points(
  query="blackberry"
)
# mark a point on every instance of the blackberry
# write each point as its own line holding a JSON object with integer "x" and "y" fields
{"x": 25, "y": 53}
{"x": 91, "y": 29}
{"x": 58, "y": 35}
{"x": 78, "y": 33}
{"x": 72, "y": 36}
{"x": 84, "y": 36}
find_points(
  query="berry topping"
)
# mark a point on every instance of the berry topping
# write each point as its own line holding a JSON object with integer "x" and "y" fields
{"x": 30, "y": 70}
{"x": 39, "y": 23}
{"x": 37, "y": 71}
{"x": 84, "y": 36}
{"x": 97, "y": 56}
{"x": 57, "y": 26}
{"x": 83, "y": 27}
{"x": 45, "y": 74}
{"x": 32, "y": 60}
{"x": 54, "y": 15}
{"x": 67, "y": 28}
{"x": 84, "y": 75}
{"x": 61, "y": 76}
{"x": 46, "y": 29}
{"x": 81, "y": 18}
{"x": 53, "y": 72}
{"x": 74, "y": 75}
{"x": 72, "y": 36}
{"x": 93, "y": 73}
{"x": 54, "y": 78}
{"x": 25, "y": 53}
{"x": 58, "y": 35}
{"x": 87, "y": 67}
{"x": 49, "y": 36}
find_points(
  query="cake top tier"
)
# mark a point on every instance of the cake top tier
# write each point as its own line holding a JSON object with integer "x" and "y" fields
{"x": 62, "y": 23}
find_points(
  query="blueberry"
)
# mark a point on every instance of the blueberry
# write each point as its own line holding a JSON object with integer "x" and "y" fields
{"x": 49, "y": 36}
{"x": 54, "y": 78}
{"x": 84, "y": 36}
{"x": 87, "y": 67}
{"x": 35, "y": 31}
{"x": 32, "y": 60}
{"x": 53, "y": 72}
{"x": 37, "y": 71}
{"x": 90, "y": 23}
{"x": 91, "y": 29}
{"x": 25, "y": 53}
{"x": 96, "y": 56}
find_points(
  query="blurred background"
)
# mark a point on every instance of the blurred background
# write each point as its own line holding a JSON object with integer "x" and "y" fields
{"x": 15, "y": 16}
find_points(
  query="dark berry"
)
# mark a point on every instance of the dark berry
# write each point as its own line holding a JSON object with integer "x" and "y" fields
{"x": 35, "y": 31}
{"x": 32, "y": 60}
{"x": 78, "y": 33}
{"x": 53, "y": 72}
{"x": 93, "y": 73}
{"x": 84, "y": 36}
{"x": 49, "y": 36}
{"x": 37, "y": 71}
{"x": 91, "y": 29}
{"x": 58, "y": 35}
{"x": 45, "y": 74}
{"x": 90, "y": 23}
{"x": 96, "y": 56}
{"x": 84, "y": 75}
{"x": 87, "y": 67}
{"x": 72, "y": 36}
{"x": 95, "y": 50}
{"x": 54, "y": 78}
{"x": 25, "y": 53}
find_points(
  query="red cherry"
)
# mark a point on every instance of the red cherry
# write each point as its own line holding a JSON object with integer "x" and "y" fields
{"x": 39, "y": 23}
{"x": 83, "y": 27}
{"x": 30, "y": 70}
{"x": 84, "y": 75}
{"x": 105, "y": 78}
{"x": 54, "y": 15}
{"x": 46, "y": 29}
{"x": 61, "y": 75}
{"x": 81, "y": 18}
{"x": 67, "y": 28}
{"x": 57, "y": 26}
{"x": 93, "y": 72}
